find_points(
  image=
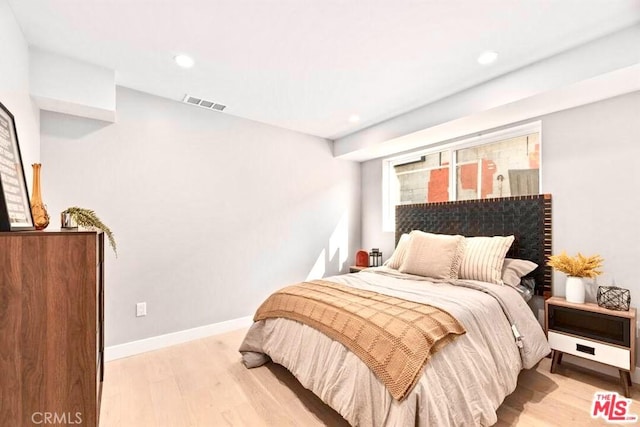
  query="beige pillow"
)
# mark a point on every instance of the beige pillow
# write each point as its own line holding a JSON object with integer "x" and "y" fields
{"x": 433, "y": 255}
{"x": 398, "y": 255}
{"x": 515, "y": 269}
{"x": 484, "y": 257}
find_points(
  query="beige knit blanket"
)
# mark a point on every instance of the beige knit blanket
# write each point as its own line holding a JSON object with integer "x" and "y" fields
{"x": 392, "y": 336}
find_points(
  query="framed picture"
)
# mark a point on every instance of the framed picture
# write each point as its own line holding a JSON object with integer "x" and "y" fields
{"x": 15, "y": 208}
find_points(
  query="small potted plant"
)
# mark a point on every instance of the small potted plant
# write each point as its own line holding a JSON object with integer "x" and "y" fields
{"x": 74, "y": 216}
{"x": 576, "y": 268}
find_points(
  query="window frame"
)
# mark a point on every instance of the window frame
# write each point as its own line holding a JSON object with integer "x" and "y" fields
{"x": 388, "y": 163}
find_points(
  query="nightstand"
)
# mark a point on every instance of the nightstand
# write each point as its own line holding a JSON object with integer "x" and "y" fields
{"x": 356, "y": 268}
{"x": 592, "y": 332}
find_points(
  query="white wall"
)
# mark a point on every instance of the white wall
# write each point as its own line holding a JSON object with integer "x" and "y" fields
{"x": 14, "y": 88}
{"x": 66, "y": 85}
{"x": 590, "y": 161}
{"x": 590, "y": 158}
{"x": 211, "y": 212}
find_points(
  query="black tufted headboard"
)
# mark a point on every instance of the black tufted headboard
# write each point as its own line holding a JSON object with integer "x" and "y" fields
{"x": 528, "y": 218}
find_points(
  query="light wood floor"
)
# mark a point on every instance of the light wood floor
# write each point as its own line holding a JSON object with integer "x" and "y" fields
{"x": 203, "y": 383}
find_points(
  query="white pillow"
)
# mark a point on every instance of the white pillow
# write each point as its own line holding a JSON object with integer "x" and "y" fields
{"x": 433, "y": 255}
{"x": 484, "y": 257}
{"x": 515, "y": 269}
{"x": 398, "y": 255}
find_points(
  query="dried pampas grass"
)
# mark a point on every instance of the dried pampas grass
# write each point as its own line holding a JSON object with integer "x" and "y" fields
{"x": 577, "y": 266}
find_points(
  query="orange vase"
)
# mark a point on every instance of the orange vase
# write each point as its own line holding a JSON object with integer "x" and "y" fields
{"x": 38, "y": 209}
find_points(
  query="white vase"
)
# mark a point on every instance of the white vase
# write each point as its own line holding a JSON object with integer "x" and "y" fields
{"x": 574, "y": 290}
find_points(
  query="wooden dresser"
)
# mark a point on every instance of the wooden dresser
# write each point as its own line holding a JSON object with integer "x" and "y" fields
{"x": 51, "y": 327}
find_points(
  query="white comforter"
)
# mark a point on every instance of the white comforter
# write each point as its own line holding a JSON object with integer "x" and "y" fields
{"x": 462, "y": 385}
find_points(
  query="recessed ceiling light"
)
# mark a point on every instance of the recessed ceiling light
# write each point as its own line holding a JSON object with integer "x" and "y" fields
{"x": 184, "y": 61}
{"x": 354, "y": 118}
{"x": 487, "y": 57}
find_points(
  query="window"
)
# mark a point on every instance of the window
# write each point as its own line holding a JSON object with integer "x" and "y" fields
{"x": 500, "y": 164}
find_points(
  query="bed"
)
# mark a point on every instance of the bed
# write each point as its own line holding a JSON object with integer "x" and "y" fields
{"x": 466, "y": 380}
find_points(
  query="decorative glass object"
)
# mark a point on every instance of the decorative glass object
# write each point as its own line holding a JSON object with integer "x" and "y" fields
{"x": 38, "y": 208}
{"x": 67, "y": 221}
{"x": 614, "y": 298}
{"x": 375, "y": 258}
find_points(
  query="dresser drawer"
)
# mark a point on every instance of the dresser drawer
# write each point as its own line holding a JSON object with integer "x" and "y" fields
{"x": 596, "y": 351}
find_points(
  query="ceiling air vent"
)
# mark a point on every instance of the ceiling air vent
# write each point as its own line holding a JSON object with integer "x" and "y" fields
{"x": 209, "y": 105}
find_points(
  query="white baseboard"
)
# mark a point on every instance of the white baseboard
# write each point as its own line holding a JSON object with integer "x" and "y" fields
{"x": 161, "y": 341}
{"x": 599, "y": 367}
{"x": 154, "y": 343}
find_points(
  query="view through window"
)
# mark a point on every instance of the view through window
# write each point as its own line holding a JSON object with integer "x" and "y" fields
{"x": 502, "y": 164}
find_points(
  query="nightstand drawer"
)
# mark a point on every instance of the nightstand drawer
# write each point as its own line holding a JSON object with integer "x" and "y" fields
{"x": 589, "y": 324}
{"x": 596, "y": 351}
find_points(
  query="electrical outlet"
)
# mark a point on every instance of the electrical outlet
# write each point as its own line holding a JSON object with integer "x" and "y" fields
{"x": 141, "y": 309}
